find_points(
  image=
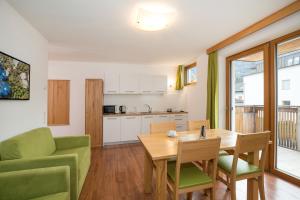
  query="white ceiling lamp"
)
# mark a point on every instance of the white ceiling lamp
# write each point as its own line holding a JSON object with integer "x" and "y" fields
{"x": 153, "y": 17}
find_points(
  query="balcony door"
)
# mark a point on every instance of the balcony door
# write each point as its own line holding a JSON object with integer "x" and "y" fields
{"x": 247, "y": 90}
{"x": 285, "y": 52}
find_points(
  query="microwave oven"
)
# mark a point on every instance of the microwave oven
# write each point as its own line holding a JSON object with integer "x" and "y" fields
{"x": 109, "y": 109}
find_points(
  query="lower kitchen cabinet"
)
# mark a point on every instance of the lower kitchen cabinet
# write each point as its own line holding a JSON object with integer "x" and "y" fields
{"x": 162, "y": 118}
{"x": 146, "y": 121}
{"x": 119, "y": 129}
{"x": 111, "y": 129}
{"x": 130, "y": 128}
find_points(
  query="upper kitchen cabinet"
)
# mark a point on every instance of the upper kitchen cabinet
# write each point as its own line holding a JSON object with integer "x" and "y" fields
{"x": 115, "y": 83}
{"x": 153, "y": 84}
{"x": 146, "y": 84}
{"x": 129, "y": 84}
{"x": 160, "y": 84}
{"x": 111, "y": 83}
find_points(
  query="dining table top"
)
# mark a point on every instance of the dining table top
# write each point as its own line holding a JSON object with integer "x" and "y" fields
{"x": 160, "y": 146}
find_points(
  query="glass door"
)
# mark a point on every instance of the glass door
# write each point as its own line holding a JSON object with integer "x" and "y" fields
{"x": 288, "y": 107}
{"x": 246, "y": 97}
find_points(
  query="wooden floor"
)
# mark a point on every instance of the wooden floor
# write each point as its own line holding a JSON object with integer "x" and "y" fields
{"x": 116, "y": 173}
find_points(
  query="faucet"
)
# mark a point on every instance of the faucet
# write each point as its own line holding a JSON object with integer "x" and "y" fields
{"x": 149, "y": 108}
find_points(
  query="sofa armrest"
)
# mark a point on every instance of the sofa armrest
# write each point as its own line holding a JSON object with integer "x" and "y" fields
{"x": 70, "y": 160}
{"x": 69, "y": 142}
{"x": 32, "y": 183}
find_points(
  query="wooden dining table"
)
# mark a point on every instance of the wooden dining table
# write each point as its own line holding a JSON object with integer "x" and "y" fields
{"x": 159, "y": 148}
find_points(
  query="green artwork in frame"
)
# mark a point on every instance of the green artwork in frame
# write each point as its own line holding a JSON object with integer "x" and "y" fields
{"x": 14, "y": 78}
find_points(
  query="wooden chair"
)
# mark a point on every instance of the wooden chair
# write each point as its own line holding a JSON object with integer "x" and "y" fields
{"x": 194, "y": 125}
{"x": 197, "y": 124}
{"x": 186, "y": 177}
{"x": 162, "y": 127}
{"x": 238, "y": 169}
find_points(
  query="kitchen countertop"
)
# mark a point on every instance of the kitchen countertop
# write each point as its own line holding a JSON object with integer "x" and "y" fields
{"x": 143, "y": 113}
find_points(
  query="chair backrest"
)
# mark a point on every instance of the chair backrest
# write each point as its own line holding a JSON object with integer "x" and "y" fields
{"x": 199, "y": 150}
{"x": 252, "y": 142}
{"x": 206, "y": 149}
{"x": 162, "y": 127}
{"x": 197, "y": 124}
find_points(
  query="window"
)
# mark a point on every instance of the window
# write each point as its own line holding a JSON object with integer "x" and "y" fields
{"x": 290, "y": 61}
{"x": 190, "y": 74}
{"x": 286, "y": 102}
{"x": 297, "y": 60}
{"x": 285, "y": 84}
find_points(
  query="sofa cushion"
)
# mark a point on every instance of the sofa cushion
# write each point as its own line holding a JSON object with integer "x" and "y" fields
{"x": 35, "y": 143}
{"x": 83, "y": 154}
{"x": 57, "y": 196}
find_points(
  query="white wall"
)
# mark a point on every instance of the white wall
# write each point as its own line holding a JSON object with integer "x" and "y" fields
{"x": 198, "y": 92}
{"x": 21, "y": 40}
{"x": 77, "y": 72}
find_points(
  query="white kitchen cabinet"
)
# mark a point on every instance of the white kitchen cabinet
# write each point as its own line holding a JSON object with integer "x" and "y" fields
{"x": 111, "y": 83}
{"x": 160, "y": 84}
{"x": 130, "y": 128}
{"x": 181, "y": 127}
{"x": 146, "y": 121}
{"x": 181, "y": 121}
{"x": 146, "y": 83}
{"x": 111, "y": 129}
{"x": 129, "y": 84}
{"x": 162, "y": 118}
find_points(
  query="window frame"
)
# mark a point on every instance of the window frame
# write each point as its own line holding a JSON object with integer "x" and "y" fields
{"x": 186, "y": 68}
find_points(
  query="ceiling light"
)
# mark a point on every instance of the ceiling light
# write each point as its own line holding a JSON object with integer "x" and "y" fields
{"x": 153, "y": 17}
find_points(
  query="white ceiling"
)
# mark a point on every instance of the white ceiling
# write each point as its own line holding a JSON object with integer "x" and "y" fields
{"x": 102, "y": 30}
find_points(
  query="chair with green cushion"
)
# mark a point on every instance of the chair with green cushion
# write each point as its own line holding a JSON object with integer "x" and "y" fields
{"x": 196, "y": 125}
{"x": 237, "y": 169}
{"x": 186, "y": 177}
{"x": 37, "y": 149}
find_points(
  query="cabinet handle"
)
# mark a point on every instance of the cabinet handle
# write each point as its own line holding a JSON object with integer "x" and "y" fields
{"x": 148, "y": 117}
{"x": 130, "y": 117}
{"x": 129, "y": 91}
{"x": 112, "y": 91}
{"x": 112, "y": 118}
{"x": 163, "y": 116}
{"x": 178, "y": 119}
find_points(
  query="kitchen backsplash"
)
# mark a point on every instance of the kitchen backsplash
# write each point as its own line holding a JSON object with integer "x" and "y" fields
{"x": 136, "y": 103}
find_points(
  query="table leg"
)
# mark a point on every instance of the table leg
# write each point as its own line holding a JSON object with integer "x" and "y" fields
{"x": 252, "y": 186}
{"x": 148, "y": 173}
{"x": 161, "y": 179}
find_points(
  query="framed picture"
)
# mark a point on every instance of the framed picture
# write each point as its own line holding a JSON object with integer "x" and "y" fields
{"x": 14, "y": 78}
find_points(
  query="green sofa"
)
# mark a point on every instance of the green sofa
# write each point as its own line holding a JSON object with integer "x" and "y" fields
{"x": 34, "y": 165}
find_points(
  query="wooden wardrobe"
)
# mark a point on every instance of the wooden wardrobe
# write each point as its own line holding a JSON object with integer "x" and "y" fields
{"x": 93, "y": 111}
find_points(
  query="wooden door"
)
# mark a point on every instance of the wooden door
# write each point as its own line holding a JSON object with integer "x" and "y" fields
{"x": 93, "y": 111}
{"x": 58, "y": 102}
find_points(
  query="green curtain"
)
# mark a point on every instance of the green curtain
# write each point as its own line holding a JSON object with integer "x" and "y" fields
{"x": 212, "y": 112}
{"x": 179, "y": 81}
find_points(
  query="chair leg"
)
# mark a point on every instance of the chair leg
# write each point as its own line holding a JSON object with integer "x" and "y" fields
{"x": 261, "y": 187}
{"x": 176, "y": 196}
{"x": 227, "y": 182}
{"x": 233, "y": 190}
{"x": 212, "y": 193}
{"x": 189, "y": 196}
